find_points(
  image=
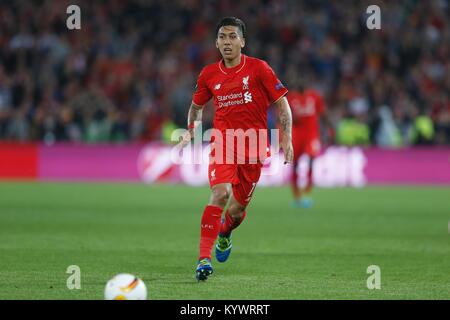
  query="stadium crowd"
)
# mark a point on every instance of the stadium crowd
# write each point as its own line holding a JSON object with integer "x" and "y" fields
{"x": 129, "y": 73}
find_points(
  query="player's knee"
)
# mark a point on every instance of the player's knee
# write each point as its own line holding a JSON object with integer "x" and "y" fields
{"x": 236, "y": 211}
{"x": 220, "y": 196}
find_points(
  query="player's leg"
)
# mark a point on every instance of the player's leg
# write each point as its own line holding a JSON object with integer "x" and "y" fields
{"x": 313, "y": 149}
{"x": 309, "y": 177}
{"x": 234, "y": 216}
{"x": 306, "y": 201}
{"x": 294, "y": 180}
{"x": 294, "y": 176}
{"x": 296, "y": 190}
{"x": 242, "y": 193}
{"x": 210, "y": 227}
{"x": 219, "y": 175}
{"x": 211, "y": 218}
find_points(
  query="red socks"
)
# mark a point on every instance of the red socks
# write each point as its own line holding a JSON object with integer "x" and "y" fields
{"x": 209, "y": 230}
{"x": 211, "y": 227}
{"x": 229, "y": 224}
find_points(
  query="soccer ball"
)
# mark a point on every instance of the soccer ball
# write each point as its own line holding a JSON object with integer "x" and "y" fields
{"x": 125, "y": 286}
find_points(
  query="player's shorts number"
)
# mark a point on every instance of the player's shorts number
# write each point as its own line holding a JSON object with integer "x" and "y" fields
{"x": 251, "y": 191}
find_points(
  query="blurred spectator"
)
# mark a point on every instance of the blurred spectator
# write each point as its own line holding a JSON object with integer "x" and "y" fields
{"x": 351, "y": 131}
{"x": 423, "y": 130}
{"x": 129, "y": 73}
{"x": 388, "y": 133}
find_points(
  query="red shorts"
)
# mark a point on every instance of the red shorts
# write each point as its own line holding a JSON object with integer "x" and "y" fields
{"x": 310, "y": 147}
{"x": 243, "y": 178}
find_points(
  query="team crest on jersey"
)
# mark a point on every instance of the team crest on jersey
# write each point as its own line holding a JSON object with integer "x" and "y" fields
{"x": 245, "y": 83}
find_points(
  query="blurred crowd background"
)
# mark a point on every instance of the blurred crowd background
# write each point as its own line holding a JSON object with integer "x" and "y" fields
{"x": 129, "y": 73}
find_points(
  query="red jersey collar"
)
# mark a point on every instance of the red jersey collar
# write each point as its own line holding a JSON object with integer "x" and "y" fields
{"x": 234, "y": 69}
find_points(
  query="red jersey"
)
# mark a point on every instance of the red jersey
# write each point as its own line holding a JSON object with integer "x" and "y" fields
{"x": 306, "y": 109}
{"x": 242, "y": 94}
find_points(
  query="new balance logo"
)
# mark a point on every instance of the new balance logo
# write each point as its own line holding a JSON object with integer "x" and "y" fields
{"x": 217, "y": 86}
{"x": 248, "y": 97}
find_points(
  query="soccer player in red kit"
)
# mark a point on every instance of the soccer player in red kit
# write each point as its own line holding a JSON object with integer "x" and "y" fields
{"x": 307, "y": 108}
{"x": 242, "y": 88}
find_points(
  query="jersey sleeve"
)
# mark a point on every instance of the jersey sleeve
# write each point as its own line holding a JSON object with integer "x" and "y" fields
{"x": 271, "y": 84}
{"x": 202, "y": 94}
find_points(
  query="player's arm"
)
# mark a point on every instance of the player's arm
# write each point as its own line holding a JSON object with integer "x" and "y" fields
{"x": 201, "y": 96}
{"x": 194, "y": 115}
{"x": 285, "y": 121}
{"x": 277, "y": 92}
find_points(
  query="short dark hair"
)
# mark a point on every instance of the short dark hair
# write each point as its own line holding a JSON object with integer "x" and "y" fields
{"x": 232, "y": 21}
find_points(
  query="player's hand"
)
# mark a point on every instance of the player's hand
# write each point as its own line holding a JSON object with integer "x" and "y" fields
{"x": 186, "y": 138}
{"x": 288, "y": 151}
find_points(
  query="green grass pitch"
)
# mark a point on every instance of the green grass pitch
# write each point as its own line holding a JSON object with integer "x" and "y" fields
{"x": 278, "y": 253}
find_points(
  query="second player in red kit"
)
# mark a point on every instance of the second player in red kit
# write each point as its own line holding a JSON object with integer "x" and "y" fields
{"x": 242, "y": 89}
{"x": 308, "y": 108}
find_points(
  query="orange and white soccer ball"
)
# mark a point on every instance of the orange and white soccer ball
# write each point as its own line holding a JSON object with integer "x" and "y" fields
{"x": 125, "y": 286}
